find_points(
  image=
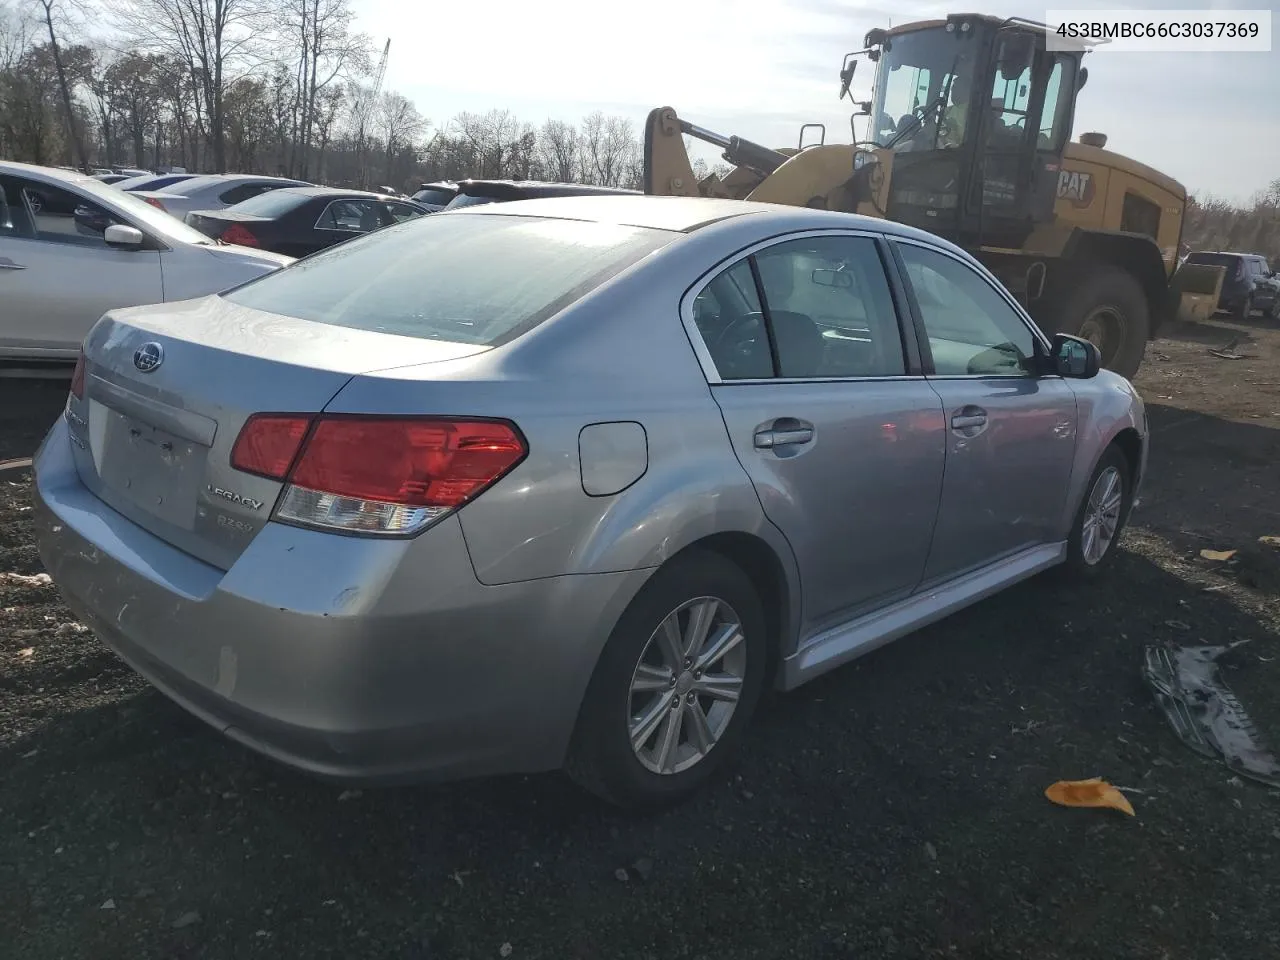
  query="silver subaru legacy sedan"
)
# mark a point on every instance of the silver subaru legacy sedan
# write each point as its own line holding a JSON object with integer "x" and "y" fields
{"x": 566, "y": 483}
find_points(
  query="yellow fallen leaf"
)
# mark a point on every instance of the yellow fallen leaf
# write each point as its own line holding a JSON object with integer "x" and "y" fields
{"x": 1217, "y": 554}
{"x": 1270, "y": 541}
{"x": 1095, "y": 792}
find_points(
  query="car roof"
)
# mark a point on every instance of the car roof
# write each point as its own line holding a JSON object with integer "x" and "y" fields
{"x": 48, "y": 174}
{"x": 688, "y": 214}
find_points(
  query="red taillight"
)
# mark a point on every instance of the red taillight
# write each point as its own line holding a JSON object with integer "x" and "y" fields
{"x": 154, "y": 202}
{"x": 77, "y": 378}
{"x": 239, "y": 235}
{"x": 377, "y": 474}
{"x": 268, "y": 444}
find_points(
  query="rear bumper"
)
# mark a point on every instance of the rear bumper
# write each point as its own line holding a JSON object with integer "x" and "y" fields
{"x": 351, "y": 659}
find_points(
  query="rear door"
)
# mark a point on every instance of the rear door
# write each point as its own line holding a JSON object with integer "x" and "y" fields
{"x": 1010, "y": 440}
{"x": 828, "y": 413}
{"x": 57, "y": 274}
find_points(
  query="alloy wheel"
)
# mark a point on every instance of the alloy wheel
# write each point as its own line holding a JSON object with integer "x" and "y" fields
{"x": 1102, "y": 516}
{"x": 687, "y": 684}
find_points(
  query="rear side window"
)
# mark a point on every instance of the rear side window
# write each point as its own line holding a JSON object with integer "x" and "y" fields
{"x": 477, "y": 279}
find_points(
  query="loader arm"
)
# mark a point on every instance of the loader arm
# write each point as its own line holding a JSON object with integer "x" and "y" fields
{"x": 669, "y": 172}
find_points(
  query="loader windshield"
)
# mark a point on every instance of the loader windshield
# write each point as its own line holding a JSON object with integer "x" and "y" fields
{"x": 921, "y": 99}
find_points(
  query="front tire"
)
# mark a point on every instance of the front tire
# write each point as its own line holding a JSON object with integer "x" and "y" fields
{"x": 1101, "y": 518}
{"x": 675, "y": 686}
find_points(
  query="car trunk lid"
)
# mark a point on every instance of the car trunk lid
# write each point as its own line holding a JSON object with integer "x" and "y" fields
{"x": 167, "y": 389}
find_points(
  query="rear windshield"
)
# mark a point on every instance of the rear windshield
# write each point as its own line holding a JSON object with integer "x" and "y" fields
{"x": 468, "y": 200}
{"x": 273, "y": 203}
{"x": 477, "y": 279}
{"x": 430, "y": 195}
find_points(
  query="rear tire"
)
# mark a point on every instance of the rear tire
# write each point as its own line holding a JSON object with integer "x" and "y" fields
{"x": 1101, "y": 518}
{"x": 632, "y": 684}
{"x": 1106, "y": 305}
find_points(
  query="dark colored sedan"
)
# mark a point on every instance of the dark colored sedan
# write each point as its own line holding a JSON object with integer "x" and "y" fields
{"x": 297, "y": 221}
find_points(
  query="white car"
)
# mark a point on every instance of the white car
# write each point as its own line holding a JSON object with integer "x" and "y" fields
{"x": 212, "y": 192}
{"x": 72, "y": 248}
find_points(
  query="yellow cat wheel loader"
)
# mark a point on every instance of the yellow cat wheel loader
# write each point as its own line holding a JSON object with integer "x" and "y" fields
{"x": 969, "y": 137}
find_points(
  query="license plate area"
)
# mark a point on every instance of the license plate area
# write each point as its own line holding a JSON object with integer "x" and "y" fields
{"x": 157, "y": 471}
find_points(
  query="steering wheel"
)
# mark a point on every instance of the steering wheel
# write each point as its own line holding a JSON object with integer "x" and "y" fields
{"x": 736, "y": 344}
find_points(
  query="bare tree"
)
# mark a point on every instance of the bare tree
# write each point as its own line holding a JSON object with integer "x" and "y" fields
{"x": 608, "y": 151}
{"x": 213, "y": 38}
{"x": 558, "y": 150}
{"x": 324, "y": 49}
{"x": 399, "y": 122}
{"x": 54, "y": 10}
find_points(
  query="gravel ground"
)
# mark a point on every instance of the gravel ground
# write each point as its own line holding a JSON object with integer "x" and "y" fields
{"x": 893, "y": 808}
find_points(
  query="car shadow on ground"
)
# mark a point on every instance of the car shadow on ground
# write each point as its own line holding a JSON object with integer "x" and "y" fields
{"x": 896, "y": 801}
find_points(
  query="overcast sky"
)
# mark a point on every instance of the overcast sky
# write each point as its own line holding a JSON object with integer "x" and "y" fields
{"x": 760, "y": 69}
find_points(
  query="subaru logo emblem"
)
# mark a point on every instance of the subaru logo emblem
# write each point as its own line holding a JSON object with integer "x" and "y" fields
{"x": 148, "y": 356}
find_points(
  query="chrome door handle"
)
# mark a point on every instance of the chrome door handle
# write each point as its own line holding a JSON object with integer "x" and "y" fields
{"x": 765, "y": 439}
{"x": 967, "y": 422}
{"x": 7, "y": 264}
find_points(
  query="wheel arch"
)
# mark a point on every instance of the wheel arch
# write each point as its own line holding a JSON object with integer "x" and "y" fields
{"x": 774, "y": 581}
{"x": 1136, "y": 254}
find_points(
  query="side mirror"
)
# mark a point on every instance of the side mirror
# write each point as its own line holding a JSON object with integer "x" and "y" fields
{"x": 846, "y": 74}
{"x": 123, "y": 238}
{"x": 1075, "y": 358}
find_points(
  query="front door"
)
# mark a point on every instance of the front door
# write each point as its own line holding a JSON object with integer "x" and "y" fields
{"x": 843, "y": 446}
{"x": 57, "y": 274}
{"x": 1010, "y": 432}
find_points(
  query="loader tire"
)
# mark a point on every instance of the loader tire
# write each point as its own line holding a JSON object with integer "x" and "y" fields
{"x": 1106, "y": 305}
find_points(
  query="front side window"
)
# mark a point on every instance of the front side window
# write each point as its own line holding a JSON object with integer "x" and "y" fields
{"x": 827, "y": 312}
{"x": 41, "y": 211}
{"x": 972, "y": 330}
{"x": 478, "y": 279}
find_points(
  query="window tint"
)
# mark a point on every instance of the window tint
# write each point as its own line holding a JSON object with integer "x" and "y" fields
{"x": 476, "y": 279}
{"x": 350, "y": 216}
{"x": 468, "y": 200}
{"x": 972, "y": 329}
{"x": 54, "y": 215}
{"x": 400, "y": 211}
{"x": 831, "y": 309}
{"x": 273, "y": 203}
{"x": 244, "y": 191}
{"x": 433, "y": 195}
{"x": 727, "y": 314}
{"x": 1057, "y": 104}
{"x": 12, "y": 220}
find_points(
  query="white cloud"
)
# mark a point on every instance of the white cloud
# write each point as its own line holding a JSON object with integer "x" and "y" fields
{"x": 761, "y": 68}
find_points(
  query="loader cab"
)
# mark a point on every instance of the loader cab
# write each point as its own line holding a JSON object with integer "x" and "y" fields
{"x": 977, "y": 113}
